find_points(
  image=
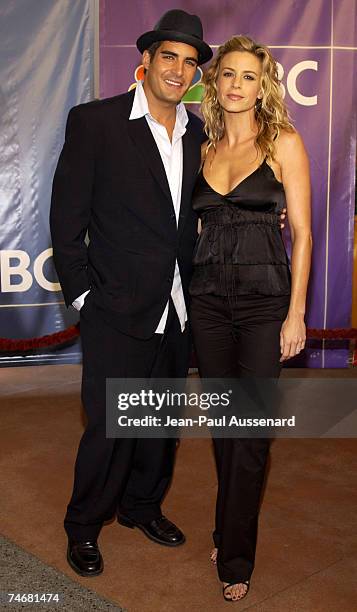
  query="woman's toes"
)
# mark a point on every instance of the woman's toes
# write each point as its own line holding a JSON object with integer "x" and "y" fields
{"x": 213, "y": 555}
{"x": 237, "y": 591}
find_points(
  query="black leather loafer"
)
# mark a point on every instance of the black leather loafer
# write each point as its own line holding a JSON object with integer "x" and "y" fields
{"x": 85, "y": 558}
{"x": 160, "y": 530}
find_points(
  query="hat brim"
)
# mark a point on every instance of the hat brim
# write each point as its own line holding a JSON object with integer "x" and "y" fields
{"x": 205, "y": 52}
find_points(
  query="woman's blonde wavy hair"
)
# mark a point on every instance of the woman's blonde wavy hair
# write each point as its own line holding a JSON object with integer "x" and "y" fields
{"x": 270, "y": 112}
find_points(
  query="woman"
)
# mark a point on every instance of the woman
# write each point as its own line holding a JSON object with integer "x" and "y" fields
{"x": 247, "y": 308}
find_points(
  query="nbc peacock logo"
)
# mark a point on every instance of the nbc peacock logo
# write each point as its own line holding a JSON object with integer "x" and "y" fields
{"x": 194, "y": 94}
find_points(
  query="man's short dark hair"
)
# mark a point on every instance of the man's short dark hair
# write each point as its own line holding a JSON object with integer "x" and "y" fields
{"x": 152, "y": 50}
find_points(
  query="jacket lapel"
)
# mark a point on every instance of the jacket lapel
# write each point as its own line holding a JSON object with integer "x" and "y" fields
{"x": 145, "y": 144}
{"x": 146, "y": 147}
{"x": 191, "y": 156}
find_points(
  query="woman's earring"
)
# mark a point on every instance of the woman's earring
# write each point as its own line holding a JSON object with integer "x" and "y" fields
{"x": 258, "y": 104}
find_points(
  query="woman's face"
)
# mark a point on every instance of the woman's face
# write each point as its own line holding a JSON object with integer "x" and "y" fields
{"x": 239, "y": 81}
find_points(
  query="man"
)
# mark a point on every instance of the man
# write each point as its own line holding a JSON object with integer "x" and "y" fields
{"x": 125, "y": 175}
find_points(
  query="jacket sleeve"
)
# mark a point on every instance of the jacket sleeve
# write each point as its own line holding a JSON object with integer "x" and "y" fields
{"x": 71, "y": 203}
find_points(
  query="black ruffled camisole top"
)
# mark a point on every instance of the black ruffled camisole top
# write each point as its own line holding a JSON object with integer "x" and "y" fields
{"x": 240, "y": 249}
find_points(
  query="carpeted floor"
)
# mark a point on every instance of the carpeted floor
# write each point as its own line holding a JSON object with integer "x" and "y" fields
{"x": 307, "y": 547}
{"x": 28, "y": 583}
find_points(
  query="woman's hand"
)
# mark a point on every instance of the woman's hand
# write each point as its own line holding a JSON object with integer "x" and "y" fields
{"x": 292, "y": 336}
{"x": 282, "y": 218}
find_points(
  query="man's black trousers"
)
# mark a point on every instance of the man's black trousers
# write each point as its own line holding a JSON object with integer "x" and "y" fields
{"x": 130, "y": 475}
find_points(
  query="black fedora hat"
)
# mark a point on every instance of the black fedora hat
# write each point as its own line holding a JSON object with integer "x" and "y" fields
{"x": 179, "y": 26}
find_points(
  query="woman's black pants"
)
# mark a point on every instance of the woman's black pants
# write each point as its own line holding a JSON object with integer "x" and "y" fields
{"x": 238, "y": 337}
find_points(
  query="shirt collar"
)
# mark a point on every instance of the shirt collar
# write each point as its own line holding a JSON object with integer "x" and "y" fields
{"x": 140, "y": 108}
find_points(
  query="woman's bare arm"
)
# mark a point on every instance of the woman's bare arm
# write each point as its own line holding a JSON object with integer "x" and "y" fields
{"x": 294, "y": 163}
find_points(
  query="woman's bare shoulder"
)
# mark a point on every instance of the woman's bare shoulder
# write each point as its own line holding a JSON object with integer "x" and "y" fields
{"x": 288, "y": 140}
{"x": 289, "y": 146}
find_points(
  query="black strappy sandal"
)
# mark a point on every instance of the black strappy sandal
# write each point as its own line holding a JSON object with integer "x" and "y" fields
{"x": 231, "y": 584}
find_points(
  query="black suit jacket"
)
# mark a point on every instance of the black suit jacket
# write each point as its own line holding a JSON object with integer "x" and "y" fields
{"x": 110, "y": 180}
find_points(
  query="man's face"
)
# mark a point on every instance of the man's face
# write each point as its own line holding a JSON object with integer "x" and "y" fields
{"x": 170, "y": 72}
